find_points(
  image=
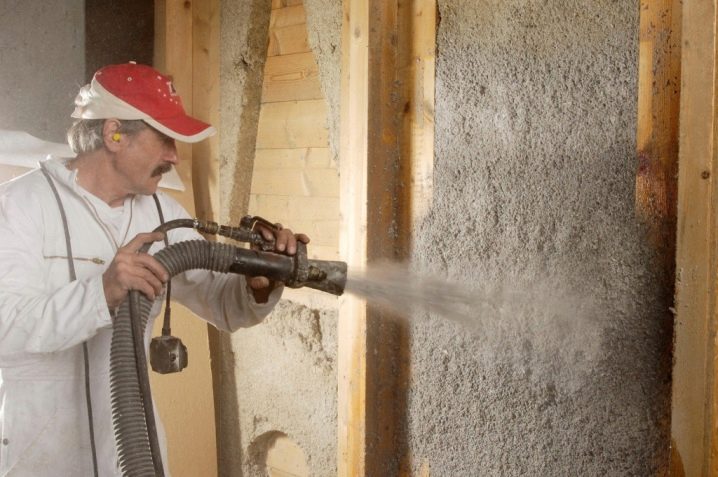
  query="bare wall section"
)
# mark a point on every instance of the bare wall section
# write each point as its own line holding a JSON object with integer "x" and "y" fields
{"x": 42, "y": 65}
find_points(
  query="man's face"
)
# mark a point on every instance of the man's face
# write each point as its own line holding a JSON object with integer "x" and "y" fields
{"x": 148, "y": 155}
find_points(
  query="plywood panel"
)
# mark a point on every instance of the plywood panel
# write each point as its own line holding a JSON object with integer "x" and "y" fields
{"x": 293, "y": 124}
{"x": 291, "y": 77}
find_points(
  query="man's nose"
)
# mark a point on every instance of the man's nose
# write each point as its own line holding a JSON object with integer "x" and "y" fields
{"x": 170, "y": 154}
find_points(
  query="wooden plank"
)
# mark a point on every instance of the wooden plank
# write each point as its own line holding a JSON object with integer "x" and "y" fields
{"x": 173, "y": 48}
{"x": 381, "y": 40}
{"x": 205, "y": 106}
{"x": 285, "y": 3}
{"x": 351, "y": 327}
{"x": 288, "y": 16}
{"x": 288, "y": 40}
{"x": 293, "y": 124}
{"x": 174, "y": 56}
{"x": 657, "y": 129}
{"x": 296, "y": 182}
{"x": 291, "y": 78}
{"x": 298, "y": 208}
{"x": 694, "y": 405}
{"x": 422, "y": 17}
{"x": 305, "y": 158}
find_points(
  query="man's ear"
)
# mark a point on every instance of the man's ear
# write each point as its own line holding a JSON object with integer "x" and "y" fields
{"x": 111, "y": 137}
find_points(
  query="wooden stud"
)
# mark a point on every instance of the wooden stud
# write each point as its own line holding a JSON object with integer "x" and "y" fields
{"x": 191, "y": 437}
{"x": 205, "y": 106}
{"x": 657, "y": 132}
{"x": 173, "y": 47}
{"x": 385, "y": 167}
{"x": 352, "y": 344}
{"x": 694, "y": 417}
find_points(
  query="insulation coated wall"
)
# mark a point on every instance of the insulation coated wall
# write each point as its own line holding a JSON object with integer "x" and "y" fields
{"x": 533, "y": 204}
{"x": 534, "y": 197}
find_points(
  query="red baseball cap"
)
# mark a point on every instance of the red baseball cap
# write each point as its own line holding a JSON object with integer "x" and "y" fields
{"x": 132, "y": 91}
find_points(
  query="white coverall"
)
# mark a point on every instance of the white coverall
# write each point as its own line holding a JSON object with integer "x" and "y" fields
{"x": 44, "y": 319}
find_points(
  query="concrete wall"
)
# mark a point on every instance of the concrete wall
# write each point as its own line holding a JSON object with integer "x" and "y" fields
{"x": 42, "y": 65}
{"x": 533, "y": 199}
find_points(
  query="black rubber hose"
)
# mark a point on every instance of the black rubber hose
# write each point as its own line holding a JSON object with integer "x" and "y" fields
{"x": 132, "y": 412}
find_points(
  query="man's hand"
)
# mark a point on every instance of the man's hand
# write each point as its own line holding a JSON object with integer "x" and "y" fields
{"x": 131, "y": 270}
{"x": 285, "y": 241}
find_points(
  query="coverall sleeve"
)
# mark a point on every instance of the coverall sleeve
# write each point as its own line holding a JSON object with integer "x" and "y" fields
{"x": 33, "y": 317}
{"x": 222, "y": 299}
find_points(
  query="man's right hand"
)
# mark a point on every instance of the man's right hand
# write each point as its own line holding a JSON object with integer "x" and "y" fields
{"x": 131, "y": 270}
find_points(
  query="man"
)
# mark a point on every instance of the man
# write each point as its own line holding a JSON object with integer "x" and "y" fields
{"x": 127, "y": 121}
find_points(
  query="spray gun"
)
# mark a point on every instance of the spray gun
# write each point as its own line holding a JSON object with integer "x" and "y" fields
{"x": 169, "y": 355}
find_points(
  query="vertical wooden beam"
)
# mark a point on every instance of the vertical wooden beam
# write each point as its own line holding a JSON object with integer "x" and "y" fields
{"x": 694, "y": 419}
{"x": 657, "y": 132}
{"x": 418, "y": 71}
{"x": 352, "y": 345}
{"x": 173, "y": 56}
{"x": 205, "y": 106}
{"x": 385, "y": 164}
{"x": 185, "y": 48}
{"x": 659, "y": 79}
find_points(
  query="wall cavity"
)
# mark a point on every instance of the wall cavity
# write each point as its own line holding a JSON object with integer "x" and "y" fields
{"x": 533, "y": 194}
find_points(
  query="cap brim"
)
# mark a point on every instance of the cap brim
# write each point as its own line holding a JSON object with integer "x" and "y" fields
{"x": 183, "y": 128}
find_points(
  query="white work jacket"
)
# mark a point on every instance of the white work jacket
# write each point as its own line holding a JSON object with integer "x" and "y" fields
{"x": 44, "y": 319}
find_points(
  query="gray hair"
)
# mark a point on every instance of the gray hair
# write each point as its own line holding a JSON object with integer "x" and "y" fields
{"x": 85, "y": 135}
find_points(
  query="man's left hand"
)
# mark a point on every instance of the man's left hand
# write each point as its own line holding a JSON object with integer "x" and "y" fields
{"x": 285, "y": 241}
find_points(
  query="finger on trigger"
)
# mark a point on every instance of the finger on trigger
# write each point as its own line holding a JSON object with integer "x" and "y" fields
{"x": 258, "y": 282}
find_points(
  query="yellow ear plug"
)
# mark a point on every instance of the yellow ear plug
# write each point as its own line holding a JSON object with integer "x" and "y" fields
{"x": 116, "y": 137}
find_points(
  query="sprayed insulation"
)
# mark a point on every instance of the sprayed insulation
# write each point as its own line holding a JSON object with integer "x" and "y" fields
{"x": 533, "y": 194}
{"x": 534, "y": 186}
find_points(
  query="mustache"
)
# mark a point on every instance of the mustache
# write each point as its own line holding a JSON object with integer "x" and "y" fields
{"x": 159, "y": 170}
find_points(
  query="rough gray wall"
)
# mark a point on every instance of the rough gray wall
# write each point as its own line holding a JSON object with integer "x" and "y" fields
{"x": 243, "y": 39}
{"x": 286, "y": 370}
{"x": 42, "y": 65}
{"x": 534, "y": 192}
{"x": 324, "y": 29}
